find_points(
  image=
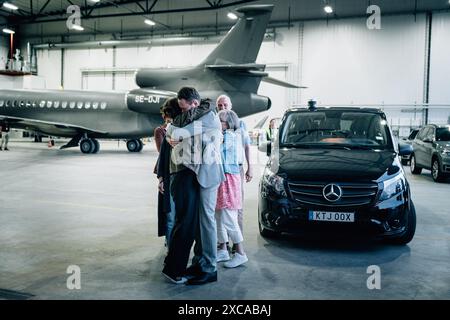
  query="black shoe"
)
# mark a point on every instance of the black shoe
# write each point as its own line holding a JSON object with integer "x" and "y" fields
{"x": 193, "y": 271}
{"x": 6, "y": 149}
{"x": 173, "y": 279}
{"x": 205, "y": 277}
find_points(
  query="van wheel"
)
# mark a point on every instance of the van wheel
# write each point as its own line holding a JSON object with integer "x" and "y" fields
{"x": 414, "y": 168}
{"x": 410, "y": 230}
{"x": 436, "y": 172}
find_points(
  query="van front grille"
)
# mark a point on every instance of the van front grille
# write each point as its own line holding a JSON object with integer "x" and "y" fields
{"x": 353, "y": 194}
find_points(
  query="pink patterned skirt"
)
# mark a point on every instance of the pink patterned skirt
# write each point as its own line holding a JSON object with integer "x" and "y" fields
{"x": 229, "y": 195}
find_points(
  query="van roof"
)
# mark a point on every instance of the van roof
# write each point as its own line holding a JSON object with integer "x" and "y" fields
{"x": 354, "y": 109}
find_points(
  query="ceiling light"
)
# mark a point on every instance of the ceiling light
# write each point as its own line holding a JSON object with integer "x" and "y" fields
{"x": 77, "y": 27}
{"x": 10, "y": 6}
{"x": 94, "y": 1}
{"x": 328, "y": 9}
{"x": 6, "y": 30}
{"x": 149, "y": 22}
{"x": 232, "y": 16}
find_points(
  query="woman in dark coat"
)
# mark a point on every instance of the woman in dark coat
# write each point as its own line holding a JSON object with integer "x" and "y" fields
{"x": 166, "y": 209}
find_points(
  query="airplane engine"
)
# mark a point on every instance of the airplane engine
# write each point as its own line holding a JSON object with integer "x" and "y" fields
{"x": 260, "y": 103}
{"x": 147, "y": 100}
{"x": 246, "y": 104}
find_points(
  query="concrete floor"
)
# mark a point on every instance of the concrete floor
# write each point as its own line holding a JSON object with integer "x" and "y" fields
{"x": 61, "y": 208}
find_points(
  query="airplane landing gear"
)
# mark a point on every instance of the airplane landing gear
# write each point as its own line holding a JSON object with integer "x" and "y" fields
{"x": 89, "y": 146}
{"x": 97, "y": 146}
{"x": 135, "y": 145}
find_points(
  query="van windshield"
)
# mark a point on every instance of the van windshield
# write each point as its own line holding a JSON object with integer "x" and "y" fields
{"x": 346, "y": 129}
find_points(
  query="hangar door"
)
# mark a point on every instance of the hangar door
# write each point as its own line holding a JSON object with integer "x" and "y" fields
{"x": 107, "y": 80}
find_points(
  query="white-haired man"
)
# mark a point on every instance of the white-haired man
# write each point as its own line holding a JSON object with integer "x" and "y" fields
{"x": 224, "y": 103}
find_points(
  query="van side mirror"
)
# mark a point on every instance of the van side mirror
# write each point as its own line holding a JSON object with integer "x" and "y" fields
{"x": 265, "y": 147}
{"x": 405, "y": 149}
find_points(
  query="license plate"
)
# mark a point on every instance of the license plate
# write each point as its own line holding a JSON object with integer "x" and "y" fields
{"x": 331, "y": 216}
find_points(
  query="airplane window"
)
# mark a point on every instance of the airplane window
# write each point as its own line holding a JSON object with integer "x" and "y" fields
{"x": 8, "y": 103}
{"x": 103, "y": 106}
{"x": 72, "y": 105}
{"x": 95, "y": 105}
{"x": 2, "y": 103}
{"x": 22, "y": 104}
{"x": 15, "y": 103}
{"x": 49, "y": 104}
{"x": 64, "y": 104}
{"x": 42, "y": 104}
{"x": 33, "y": 104}
{"x": 28, "y": 104}
{"x": 56, "y": 104}
{"x": 87, "y": 105}
{"x": 80, "y": 105}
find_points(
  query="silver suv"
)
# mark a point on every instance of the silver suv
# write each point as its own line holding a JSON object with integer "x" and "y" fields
{"x": 432, "y": 151}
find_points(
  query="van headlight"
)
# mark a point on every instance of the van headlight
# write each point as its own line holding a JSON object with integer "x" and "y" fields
{"x": 275, "y": 182}
{"x": 393, "y": 187}
{"x": 446, "y": 152}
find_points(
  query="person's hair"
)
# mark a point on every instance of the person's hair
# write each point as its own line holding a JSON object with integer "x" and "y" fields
{"x": 230, "y": 117}
{"x": 225, "y": 97}
{"x": 189, "y": 94}
{"x": 170, "y": 108}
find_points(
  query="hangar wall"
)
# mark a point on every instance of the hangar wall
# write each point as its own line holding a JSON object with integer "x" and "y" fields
{"x": 440, "y": 68}
{"x": 440, "y": 59}
{"x": 345, "y": 62}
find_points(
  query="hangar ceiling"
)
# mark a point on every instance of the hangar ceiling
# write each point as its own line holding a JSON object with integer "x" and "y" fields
{"x": 45, "y": 18}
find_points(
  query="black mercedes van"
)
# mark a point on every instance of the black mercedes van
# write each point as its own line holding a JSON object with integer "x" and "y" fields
{"x": 336, "y": 170}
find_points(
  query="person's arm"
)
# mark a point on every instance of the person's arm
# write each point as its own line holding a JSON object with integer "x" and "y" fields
{"x": 159, "y": 136}
{"x": 193, "y": 114}
{"x": 205, "y": 124}
{"x": 246, "y": 140}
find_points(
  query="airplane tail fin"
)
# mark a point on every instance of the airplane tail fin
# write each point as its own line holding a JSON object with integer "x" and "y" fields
{"x": 242, "y": 43}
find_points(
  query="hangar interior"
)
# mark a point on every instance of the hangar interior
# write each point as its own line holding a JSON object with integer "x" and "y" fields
{"x": 60, "y": 207}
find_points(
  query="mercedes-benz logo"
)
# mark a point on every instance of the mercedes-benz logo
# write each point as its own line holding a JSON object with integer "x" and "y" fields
{"x": 332, "y": 192}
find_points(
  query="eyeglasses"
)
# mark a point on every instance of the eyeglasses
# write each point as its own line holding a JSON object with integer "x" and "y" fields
{"x": 222, "y": 105}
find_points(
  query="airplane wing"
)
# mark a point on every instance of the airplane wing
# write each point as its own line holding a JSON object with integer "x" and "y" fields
{"x": 253, "y": 70}
{"x": 46, "y": 127}
{"x": 236, "y": 67}
{"x": 261, "y": 123}
{"x": 281, "y": 83}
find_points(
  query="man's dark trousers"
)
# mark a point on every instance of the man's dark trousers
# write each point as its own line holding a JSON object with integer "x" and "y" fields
{"x": 185, "y": 191}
